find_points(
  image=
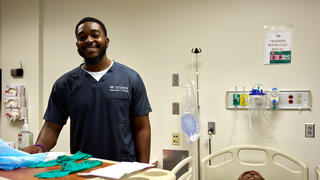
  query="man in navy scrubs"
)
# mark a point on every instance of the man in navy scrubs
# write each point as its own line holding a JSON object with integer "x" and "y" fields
{"x": 106, "y": 101}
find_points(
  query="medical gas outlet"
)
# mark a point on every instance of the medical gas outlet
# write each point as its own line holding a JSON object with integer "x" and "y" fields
{"x": 14, "y": 102}
{"x": 276, "y": 99}
{"x": 240, "y": 98}
{"x": 236, "y": 97}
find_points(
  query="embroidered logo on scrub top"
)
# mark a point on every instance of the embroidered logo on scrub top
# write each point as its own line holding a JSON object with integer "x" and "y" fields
{"x": 119, "y": 89}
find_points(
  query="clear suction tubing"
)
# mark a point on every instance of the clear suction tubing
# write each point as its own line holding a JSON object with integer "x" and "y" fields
{"x": 258, "y": 115}
{"x": 257, "y": 103}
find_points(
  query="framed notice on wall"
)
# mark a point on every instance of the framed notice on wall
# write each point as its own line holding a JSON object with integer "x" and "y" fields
{"x": 277, "y": 44}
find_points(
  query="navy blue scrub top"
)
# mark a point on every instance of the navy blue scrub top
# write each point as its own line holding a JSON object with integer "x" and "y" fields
{"x": 101, "y": 112}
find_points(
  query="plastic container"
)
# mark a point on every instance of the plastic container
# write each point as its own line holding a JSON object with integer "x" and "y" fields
{"x": 25, "y": 137}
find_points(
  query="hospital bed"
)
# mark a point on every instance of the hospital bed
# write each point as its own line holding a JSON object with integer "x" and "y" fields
{"x": 190, "y": 174}
{"x": 231, "y": 162}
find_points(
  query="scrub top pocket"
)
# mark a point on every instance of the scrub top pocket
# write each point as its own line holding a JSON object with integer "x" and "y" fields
{"x": 119, "y": 107}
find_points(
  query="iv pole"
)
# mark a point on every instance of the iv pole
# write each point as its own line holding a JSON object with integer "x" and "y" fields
{"x": 196, "y": 51}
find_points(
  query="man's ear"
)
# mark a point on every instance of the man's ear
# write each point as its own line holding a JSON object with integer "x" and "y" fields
{"x": 107, "y": 40}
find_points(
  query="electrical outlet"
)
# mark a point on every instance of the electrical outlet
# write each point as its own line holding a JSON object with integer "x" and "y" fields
{"x": 175, "y": 138}
{"x": 309, "y": 130}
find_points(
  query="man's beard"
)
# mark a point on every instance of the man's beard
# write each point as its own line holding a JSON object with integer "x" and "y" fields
{"x": 94, "y": 60}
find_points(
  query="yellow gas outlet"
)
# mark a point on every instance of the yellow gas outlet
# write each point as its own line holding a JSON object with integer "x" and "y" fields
{"x": 175, "y": 138}
{"x": 244, "y": 99}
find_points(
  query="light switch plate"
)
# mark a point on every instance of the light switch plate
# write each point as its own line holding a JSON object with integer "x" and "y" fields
{"x": 175, "y": 79}
{"x": 175, "y": 108}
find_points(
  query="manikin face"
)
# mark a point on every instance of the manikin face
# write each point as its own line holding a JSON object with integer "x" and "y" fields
{"x": 91, "y": 42}
{"x": 251, "y": 175}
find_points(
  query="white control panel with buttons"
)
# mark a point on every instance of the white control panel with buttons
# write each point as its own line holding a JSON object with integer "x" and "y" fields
{"x": 295, "y": 100}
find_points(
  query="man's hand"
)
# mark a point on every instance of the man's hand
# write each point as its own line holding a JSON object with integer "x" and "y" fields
{"x": 32, "y": 149}
{"x": 47, "y": 138}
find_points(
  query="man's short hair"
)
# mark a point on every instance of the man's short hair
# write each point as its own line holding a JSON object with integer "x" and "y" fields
{"x": 91, "y": 19}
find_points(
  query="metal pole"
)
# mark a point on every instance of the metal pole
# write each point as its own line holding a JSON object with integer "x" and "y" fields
{"x": 209, "y": 148}
{"x": 196, "y": 51}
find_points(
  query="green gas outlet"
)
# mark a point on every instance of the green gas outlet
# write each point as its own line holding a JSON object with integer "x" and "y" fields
{"x": 236, "y": 101}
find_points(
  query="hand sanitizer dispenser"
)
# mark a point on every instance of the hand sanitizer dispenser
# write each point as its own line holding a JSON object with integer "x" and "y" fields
{"x": 25, "y": 137}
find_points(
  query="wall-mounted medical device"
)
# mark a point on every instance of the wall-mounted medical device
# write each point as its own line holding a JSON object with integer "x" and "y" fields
{"x": 17, "y": 72}
{"x": 257, "y": 101}
{"x": 14, "y": 102}
{"x": 274, "y": 99}
{"x": 262, "y": 104}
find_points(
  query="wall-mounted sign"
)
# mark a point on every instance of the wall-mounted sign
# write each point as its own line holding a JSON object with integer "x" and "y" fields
{"x": 277, "y": 44}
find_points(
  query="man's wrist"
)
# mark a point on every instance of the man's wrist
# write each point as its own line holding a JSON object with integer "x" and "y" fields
{"x": 42, "y": 147}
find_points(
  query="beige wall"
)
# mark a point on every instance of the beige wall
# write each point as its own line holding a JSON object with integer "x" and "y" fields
{"x": 20, "y": 43}
{"x": 155, "y": 39}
